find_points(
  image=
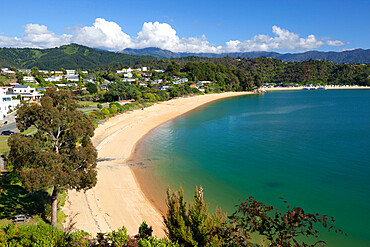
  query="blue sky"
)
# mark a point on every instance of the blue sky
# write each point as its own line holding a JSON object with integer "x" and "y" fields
{"x": 207, "y": 26}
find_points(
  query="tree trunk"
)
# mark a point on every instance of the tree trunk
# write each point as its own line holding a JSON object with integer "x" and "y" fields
{"x": 54, "y": 207}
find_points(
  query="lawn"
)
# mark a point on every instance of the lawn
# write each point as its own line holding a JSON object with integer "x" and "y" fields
{"x": 4, "y": 145}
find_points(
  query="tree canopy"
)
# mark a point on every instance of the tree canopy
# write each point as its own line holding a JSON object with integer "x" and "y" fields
{"x": 60, "y": 155}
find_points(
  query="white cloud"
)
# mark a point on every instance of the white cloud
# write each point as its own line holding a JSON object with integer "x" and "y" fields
{"x": 335, "y": 43}
{"x": 103, "y": 34}
{"x": 283, "y": 40}
{"x": 110, "y": 36}
{"x": 36, "y": 36}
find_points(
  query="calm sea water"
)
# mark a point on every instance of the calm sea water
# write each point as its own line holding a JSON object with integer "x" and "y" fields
{"x": 311, "y": 147}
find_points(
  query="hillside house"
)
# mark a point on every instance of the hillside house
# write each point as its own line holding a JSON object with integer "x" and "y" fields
{"x": 6, "y": 103}
{"x": 25, "y": 91}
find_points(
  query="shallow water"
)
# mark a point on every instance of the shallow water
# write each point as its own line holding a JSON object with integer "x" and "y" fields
{"x": 312, "y": 147}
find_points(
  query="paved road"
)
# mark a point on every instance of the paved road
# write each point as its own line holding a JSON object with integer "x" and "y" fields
{"x": 11, "y": 125}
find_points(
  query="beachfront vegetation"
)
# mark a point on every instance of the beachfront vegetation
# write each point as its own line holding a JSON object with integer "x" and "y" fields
{"x": 188, "y": 224}
{"x": 60, "y": 154}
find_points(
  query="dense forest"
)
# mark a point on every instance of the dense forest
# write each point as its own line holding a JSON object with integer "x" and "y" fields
{"x": 357, "y": 55}
{"x": 71, "y": 56}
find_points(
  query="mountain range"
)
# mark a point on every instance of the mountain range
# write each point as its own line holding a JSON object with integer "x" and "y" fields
{"x": 75, "y": 56}
{"x": 357, "y": 55}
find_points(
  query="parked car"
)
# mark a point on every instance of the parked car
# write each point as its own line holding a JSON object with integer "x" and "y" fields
{"x": 7, "y": 132}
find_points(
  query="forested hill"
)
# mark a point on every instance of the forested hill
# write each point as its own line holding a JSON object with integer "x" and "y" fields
{"x": 68, "y": 57}
{"x": 357, "y": 56}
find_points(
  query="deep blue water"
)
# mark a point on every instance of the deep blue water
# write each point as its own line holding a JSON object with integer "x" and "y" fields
{"x": 312, "y": 147}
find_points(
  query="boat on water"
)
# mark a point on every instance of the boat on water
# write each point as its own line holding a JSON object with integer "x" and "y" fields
{"x": 321, "y": 88}
{"x": 305, "y": 88}
{"x": 312, "y": 88}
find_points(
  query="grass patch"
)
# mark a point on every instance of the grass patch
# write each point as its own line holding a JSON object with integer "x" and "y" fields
{"x": 4, "y": 138}
{"x": 4, "y": 147}
{"x": 29, "y": 130}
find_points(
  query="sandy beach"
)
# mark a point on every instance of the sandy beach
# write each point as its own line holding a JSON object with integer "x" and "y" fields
{"x": 117, "y": 199}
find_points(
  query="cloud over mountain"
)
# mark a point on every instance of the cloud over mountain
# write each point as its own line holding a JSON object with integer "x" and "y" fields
{"x": 109, "y": 35}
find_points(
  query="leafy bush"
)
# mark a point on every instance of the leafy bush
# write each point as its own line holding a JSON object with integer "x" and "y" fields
{"x": 105, "y": 111}
{"x": 154, "y": 242}
{"x": 145, "y": 231}
{"x": 97, "y": 115}
{"x": 119, "y": 237}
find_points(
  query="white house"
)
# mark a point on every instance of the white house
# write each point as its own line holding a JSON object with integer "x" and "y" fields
{"x": 127, "y": 75}
{"x": 156, "y": 81}
{"x": 6, "y": 103}
{"x": 53, "y": 78}
{"x": 180, "y": 81}
{"x": 70, "y": 71}
{"x": 7, "y": 71}
{"x": 72, "y": 78}
{"x": 26, "y": 92}
{"x": 27, "y": 71}
{"x": 144, "y": 69}
{"x": 29, "y": 79}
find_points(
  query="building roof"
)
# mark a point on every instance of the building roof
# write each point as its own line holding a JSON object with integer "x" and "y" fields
{"x": 21, "y": 86}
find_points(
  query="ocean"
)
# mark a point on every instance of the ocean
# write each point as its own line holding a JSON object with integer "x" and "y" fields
{"x": 310, "y": 147}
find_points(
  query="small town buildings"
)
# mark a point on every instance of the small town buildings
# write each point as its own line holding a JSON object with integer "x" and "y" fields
{"x": 129, "y": 80}
{"x": 156, "y": 81}
{"x": 29, "y": 79}
{"x": 7, "y": 71}
{"x": 144, "y": 69}
{"x": 72, "y": 78}
{"x": 84, "y": 81}
{"x": 24, "y": 71}
{"x": 70, "y": 71}
{"x": 164, "y": 87}
{"x": 127, "y": 75}
{"x": 53, "y": 78}
{"x": 159, "y": 70}
{"x": 6, "y": 103}
{"x": 103, "y": 87}
{"x": 146, "y": 74}
{"x": 57, "y": 72}
{"x": 25, "y": 92}
{"x": 144, "y": 84}
{"x": 180, "y": 81}
{"x": 44, "y": 71}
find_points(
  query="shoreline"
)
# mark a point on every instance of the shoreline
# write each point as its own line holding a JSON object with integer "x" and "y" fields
{"x": 119, "y": 199}
{"x": 301, "y": 88}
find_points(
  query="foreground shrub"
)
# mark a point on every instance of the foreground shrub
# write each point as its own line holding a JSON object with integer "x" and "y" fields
{"x": 154, "y": 242}
{"x": 34, "y": 235}
{"x": 190, "y": 225}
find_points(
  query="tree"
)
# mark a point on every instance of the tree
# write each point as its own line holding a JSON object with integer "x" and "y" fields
{"x": 60, "y": 155}
{"x": 191, "y": 225}
{"x": 91, "y": 87}
{"x": 288, "y": 229}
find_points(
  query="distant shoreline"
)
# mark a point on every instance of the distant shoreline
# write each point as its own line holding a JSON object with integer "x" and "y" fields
{"x": 302, "y": 88}
{"x": 119, "y": 198}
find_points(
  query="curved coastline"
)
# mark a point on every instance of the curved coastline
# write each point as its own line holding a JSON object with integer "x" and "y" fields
{"x": 118, "y": 198}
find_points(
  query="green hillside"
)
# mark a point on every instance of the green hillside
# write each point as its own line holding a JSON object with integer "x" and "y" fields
{"x": 68, "y": 57}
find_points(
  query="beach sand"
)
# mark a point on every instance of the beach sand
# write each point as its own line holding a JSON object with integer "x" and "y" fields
{"x": 117, "y": 199}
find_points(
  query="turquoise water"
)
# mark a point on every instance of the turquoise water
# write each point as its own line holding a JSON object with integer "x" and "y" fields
{"x": 312, "y": 147}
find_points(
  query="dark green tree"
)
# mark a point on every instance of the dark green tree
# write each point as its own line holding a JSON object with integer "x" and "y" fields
{"x": 60, "y": 155}
{"x": 91, "y": 87}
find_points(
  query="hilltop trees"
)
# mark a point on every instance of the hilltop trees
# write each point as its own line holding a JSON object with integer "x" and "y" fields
{"x": 60, "y": 155}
